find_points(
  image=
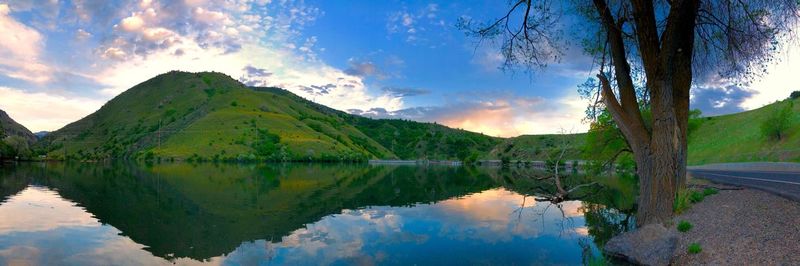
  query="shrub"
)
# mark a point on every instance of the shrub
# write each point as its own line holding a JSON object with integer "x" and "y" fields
{"x": 684, "y": 226}
{"x": 794, "y": 95}
{"x": 234, "y": 103}
{"x": 776, "y": 124}
{"x": 695, "y": 248}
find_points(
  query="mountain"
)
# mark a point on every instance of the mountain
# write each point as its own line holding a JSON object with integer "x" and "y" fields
{"x": 15, "y": 139}
{"x": 9, "y": 127}
{"x": 41, "y": 134}
{"x": 210, "y": 116}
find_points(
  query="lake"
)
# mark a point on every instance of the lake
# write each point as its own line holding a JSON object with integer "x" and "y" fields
{"x": 297, "y": 214}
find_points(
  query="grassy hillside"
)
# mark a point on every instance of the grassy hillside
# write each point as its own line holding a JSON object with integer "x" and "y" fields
{"x": 539, "y": 147}
{"x": 409, "y": 139}
{"x": 738, "y": 137}
{"x": 9, "y": 127}
{"x": 210, "y": 116}
{"x": 15, "y": 139}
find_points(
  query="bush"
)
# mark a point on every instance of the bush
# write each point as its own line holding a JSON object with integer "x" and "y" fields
{"x": 776, "y": 124}
{"x": 684, "y": 226}
{"x": 695, "y": 248}
{"x": 794, "y": 95}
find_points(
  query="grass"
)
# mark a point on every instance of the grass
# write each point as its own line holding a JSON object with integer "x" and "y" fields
{"x": 684, "y": 226}
{"x": 696, "y": 196}
{"x": 694, "y": 248}
{"x": 738, "y": 138}
{"x": 685, "y": 198}
{"x": 710, "y": 191}
{"x": 682, "y": 202}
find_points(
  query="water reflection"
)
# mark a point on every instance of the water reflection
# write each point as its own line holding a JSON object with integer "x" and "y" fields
{"x": 287, "y": 214}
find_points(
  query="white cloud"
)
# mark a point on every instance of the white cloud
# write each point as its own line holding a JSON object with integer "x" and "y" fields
{"x": 82, "y": 34}
{"x": 289, "y": 72}
{"x": 132, "y": 23}
{"x": 20, "y": 48}
{"x": 45, "y": 111}
{"x": 415, "y": 25}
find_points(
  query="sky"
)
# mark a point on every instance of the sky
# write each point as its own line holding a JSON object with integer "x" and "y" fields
{"x": 61, "y": 60}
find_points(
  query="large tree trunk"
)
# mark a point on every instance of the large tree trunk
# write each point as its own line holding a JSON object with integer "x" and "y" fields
{"x": 661, "y": 152}
{"x": 659, "y": 160}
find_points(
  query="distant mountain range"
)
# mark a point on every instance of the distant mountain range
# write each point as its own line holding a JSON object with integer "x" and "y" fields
{"x": 41, "y": 134}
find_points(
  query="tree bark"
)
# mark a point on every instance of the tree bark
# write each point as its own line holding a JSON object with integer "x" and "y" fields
{"x": 660, "y": 154}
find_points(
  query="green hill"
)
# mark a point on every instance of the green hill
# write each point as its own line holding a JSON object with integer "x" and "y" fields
{"x": 210, "y": 116}
{"x": 738, "y": 137}
{"x": 539, "y": 147}
{"x": 15, "y": 139}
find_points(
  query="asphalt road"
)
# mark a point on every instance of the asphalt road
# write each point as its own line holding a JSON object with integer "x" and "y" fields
{"x": 783, "y": 183}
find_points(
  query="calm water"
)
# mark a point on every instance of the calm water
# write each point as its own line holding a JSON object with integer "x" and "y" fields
{"x": 79, "y": 214}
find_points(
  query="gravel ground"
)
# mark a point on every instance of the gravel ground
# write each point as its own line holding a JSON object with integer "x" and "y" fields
{"x": 741, "y": 227}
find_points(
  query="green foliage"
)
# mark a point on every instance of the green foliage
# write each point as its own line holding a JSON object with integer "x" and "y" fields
{"x": 682, "y": 202}
{"x": 505, "y": 160}
{"x": 685, "y": 198}
{"x": 696, "y": 196}
{"x": 794, "y": 95}
{"x": 776, "y": 124}
{"x": 597, "y": 261}
{"x": 684, "y": 226}
{"x": 605, "y": 143}
{"x": 694, "y": 248}
{"x": 710, "y": 191}
{"x": 695, "y": 121}
{"x": 472, "y": 158}
{"x": 266, "y": 144}
{"x": 416, "y": 140}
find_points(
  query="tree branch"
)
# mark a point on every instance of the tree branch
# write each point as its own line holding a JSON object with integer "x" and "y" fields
{"x": 622, "y": 70}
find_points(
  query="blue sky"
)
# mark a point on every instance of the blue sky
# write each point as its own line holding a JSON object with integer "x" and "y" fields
{"x": 63, "y": 59}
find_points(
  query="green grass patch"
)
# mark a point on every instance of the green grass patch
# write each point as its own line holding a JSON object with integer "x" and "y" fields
{"x": 695, "y": 248}
{"x": 682, "y": 202}
{"x": 684, "y": 226}
{"x": 696, "y": 196}
{"x": 710, "y": 191}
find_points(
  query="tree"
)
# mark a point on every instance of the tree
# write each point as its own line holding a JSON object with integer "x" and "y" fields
{"x": 648, "y": 54}
{"x": 776, "y": 124}
{"x": 794, "y": 95}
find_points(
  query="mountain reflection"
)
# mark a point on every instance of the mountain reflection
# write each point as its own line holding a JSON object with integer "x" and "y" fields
{"x": 281, "y": 214}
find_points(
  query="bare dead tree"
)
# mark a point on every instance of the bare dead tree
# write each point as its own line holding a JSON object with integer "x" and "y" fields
{"x": 557, "y": 157}
{"x": 648, "y": 54}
